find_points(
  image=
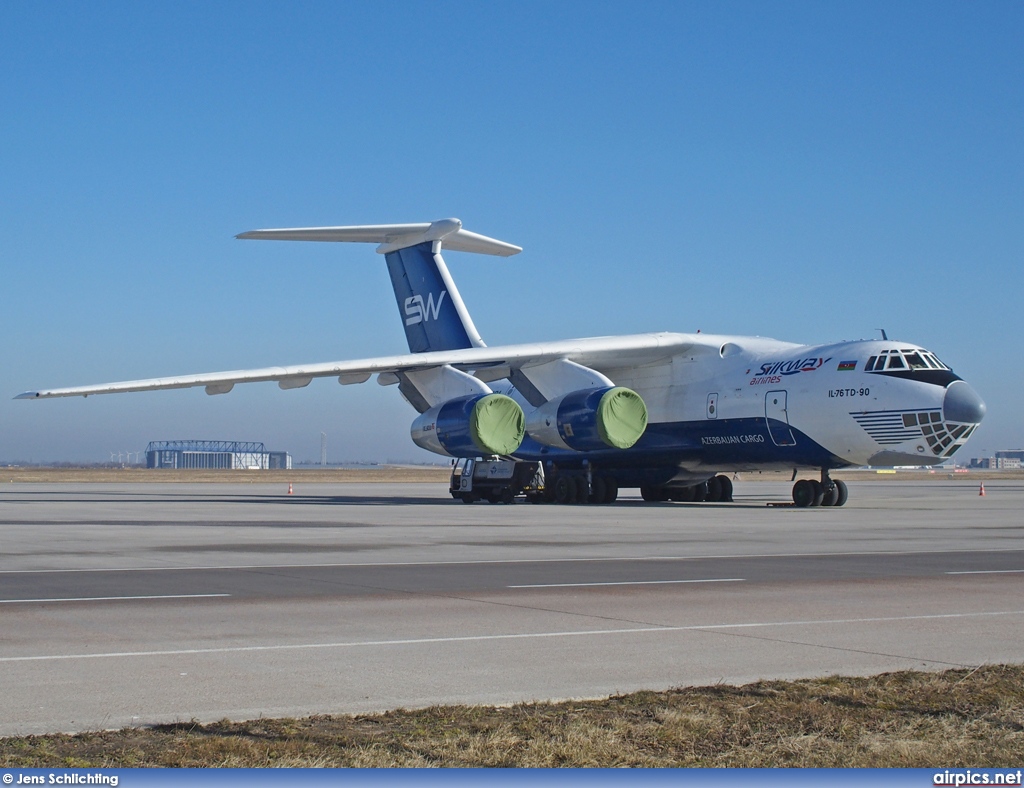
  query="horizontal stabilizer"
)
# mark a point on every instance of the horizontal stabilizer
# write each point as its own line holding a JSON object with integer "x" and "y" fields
{"x": 392, "y": 237}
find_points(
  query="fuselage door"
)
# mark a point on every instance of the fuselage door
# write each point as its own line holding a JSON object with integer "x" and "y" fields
{"x": 777, "y": 416}
{"x": 712, "y": 412}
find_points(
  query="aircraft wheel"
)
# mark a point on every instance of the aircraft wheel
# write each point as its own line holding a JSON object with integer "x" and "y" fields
{"x": 649, "y": 494}
{"x": 579, "y": 486}
{"x": 611, "y": 490}
{"x": 564, "y": 490}
{"x": 598, "y": 490}
{"x": 682, "y": 494}
{"x": 819, "y": 492}
{"x": 831, "y": 495}
{"x": 803, "y": 493}
{"x": 467, "y": 497}
{"x": 700, "y": 492}
{"x": 714, "y": 489}
{"x": 726, "y": 483}
{"x": 507, "y": 495}
{"x": 844, "y": 494}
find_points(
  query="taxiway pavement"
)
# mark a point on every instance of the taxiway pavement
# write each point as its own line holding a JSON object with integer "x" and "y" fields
{"x": 144, "y": 603}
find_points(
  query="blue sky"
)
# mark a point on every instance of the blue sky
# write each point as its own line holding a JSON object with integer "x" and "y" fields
{"x": 806, "y": 171}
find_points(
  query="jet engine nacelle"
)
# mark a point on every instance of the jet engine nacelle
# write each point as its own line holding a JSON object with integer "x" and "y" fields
{"x": 471, "y": 426}
{"x": 590, "y": 419}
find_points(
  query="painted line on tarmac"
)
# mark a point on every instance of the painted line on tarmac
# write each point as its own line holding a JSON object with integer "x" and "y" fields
{"x": 633, "y": 583}
{"x": 989, "y": 572}
{"x": 483, "y": 562}
{"x": 517, "y": 636}
{"x": 110, "y": 598}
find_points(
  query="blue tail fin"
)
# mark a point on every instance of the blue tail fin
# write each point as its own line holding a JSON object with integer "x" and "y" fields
{"x": 429, "y": 304}
{"x": 428, "y": 301}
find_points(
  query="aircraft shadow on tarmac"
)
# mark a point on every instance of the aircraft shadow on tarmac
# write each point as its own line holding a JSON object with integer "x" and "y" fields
{"x": 349, "y": 500}
{"x": 397, "y": 500}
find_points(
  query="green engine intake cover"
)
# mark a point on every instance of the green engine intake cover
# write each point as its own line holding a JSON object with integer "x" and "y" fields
{"x": 621, "y": 417}
{"x": 497, "y": 424}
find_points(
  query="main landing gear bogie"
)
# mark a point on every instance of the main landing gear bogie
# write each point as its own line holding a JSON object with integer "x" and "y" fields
{"x": 569, "y": 489}
{"x": 827, "y": 492}
{"x": 717, "y": 489}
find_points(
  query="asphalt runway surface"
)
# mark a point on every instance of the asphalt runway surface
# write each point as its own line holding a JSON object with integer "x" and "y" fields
{"x": 144, "y": 603}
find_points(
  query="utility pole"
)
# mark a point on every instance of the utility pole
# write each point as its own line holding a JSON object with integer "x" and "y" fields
{"x": 323, "y": 449}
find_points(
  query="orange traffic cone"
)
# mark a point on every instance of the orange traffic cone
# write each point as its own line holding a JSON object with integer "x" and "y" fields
{"x": 981, "y": 490}
{"x": 290, "y": 489}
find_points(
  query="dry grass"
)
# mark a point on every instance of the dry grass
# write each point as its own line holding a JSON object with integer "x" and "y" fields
{"x": 954, "y": 719}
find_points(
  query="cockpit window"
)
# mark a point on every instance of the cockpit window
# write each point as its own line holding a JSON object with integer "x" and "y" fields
{"x": 914, "y": 360}
{"x": 906, "y": 358}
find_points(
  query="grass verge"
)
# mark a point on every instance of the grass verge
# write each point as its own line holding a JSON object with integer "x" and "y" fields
{"x": 958, "y": 718}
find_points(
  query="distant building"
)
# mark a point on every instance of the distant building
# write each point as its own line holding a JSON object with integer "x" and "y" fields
{"x": 225, "y": 455}
{"x": 1004, "y": 460}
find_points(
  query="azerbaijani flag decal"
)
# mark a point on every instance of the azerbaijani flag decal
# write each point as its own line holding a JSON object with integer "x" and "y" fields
{"x": 847, "y": 366}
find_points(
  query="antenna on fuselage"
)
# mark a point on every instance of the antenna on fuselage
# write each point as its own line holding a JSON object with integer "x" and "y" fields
{"x": 886, "y": 338}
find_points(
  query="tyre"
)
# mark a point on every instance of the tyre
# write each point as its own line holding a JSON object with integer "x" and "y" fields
{"x": 803, "y": 493}
{"x": 467, "y": 497}
{"x": 700, "y": 492}
{"x": 611, "y": 490}
{"x": 579, "y": 490}
{"x": 683, "y": 494}
{"x": 831, "y": 495}
{"x": 649, "y": 494}
{"x": 844, "y": 494}
{"x": 714, "y": 489}
{"x": 726, "y": 483}
{"x": 564, "y": 489}
{"x": 598, "y": 490}
{"x": 819, "y": 492}
{"x": 507, "y": 495}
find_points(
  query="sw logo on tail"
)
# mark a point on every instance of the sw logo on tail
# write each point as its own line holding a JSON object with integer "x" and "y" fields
{"x": 414, "y": 308}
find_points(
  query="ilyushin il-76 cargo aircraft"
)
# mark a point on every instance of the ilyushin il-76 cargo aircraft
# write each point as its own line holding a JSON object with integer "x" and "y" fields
{"x": 669, "y": 413}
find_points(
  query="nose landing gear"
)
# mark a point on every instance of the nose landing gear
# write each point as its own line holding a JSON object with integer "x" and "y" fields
{"x": 827, "y": 492}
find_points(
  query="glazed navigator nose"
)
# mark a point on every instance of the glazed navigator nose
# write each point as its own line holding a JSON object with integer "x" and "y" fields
{"x": 962, "y": 404}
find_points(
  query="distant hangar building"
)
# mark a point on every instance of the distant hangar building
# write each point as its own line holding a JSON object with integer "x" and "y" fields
{"x": 225, "y": 455}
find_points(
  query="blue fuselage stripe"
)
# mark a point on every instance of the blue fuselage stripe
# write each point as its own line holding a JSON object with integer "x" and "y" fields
{"x": 722, "y": 444}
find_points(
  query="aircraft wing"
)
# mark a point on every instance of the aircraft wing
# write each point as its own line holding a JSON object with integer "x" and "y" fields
{"x": 487, "y": 363}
